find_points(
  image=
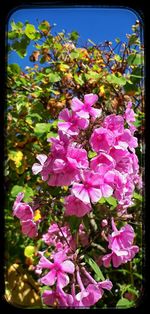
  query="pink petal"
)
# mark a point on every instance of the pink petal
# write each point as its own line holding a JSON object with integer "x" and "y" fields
{"x": 42, "y": 158}
{"x": 106, "y": 259}
{"x": 49, "y": 279}
{"x": 83, "y": 114}
{"x": 95, "y": 112}
{"x": 121, "y": 252}
{"x": 95, "y": 194}
{"x": 68, "y": 267}
{"x": 83, "y": 123}
{"x": 59, "y": 165}
{"x": 23, "y": 211}
{"x": 94, "y": 295}
{"x": 59, "y": 257}
{"x": 49, "y": 297}
{"x": 80, "y": 192}
{"x": 64, "y": 126}
{"x": 76, "y": 104}
{"x": 90, "y": 99}
{"x": 36, "y": 168}
{"x": 117, "y": 260}
{"x": 106, "y": 284}
{"x": 62, "y": 280}
{"x": 106, "y": 190}
{"x": 64, "y": 115}
{"x": 81, "y": 295}
{"x": 44, "y": 263}
{"x": 29, "y": 228}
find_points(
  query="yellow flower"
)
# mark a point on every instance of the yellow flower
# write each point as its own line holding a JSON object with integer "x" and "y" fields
{"x": 37, "y": 215}
{"x": 102, "y": 90}
{"x": 16, "y": 157}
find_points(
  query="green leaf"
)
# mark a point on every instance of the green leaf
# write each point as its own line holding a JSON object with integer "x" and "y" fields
{"x": 52, "y": 134}
{"x": 74, "y": 223}
{"x": 114, "y": 79}
{"x": 135, "y": 59}
{"x": 92, "y": 75}
{"x": 111, "y": 201}
{"x": 102, "y": 200}
{"x": 28, "y": 192}
{"x": 137, "y": 196}
{"x": 117, "y": 58}
{"x": 78, "y": 79}
{"x": 74, "y": 36}
{"x": 15, "y": 68}
{"x": 15, "y": 190}
{"x": 95, "y": 267}
{"x": 44, "y": 27}
{"x": 41, "y": 128}
{"x": 74, "y": 54}
{"x": 54, "y": 77}
{"x": 21, "y": 46}
{"x": 133, "y": 39}
{"x": 29, "y": 251}
{"x": 30, "y": 31}
{"x": 124, "y": 303}
{"x": 91, "y": 154}
{"x": 34, "y": 116}
{"x": 12, "y": 35}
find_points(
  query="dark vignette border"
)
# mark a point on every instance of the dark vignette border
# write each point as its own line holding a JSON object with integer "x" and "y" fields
{"x": 139, "y": 9}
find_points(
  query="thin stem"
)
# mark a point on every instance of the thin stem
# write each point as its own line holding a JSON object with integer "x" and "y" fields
{"x": 79, "y": 280}
{"x": 98, "y": 246}
{"x": 88, "y": 276}
{"x": 64, "y": 237}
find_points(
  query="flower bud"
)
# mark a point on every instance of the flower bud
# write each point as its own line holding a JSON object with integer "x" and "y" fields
{"x": 104, "y": 223}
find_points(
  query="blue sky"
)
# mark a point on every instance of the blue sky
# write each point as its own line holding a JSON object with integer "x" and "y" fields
{"x": 97, "y": 24}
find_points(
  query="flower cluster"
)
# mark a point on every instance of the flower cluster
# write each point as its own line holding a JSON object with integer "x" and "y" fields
{"x": 29, "y": 219}
{"x": 121, "y": 246}
{"x": 61, "y": 272}
{"x": 113, "y": 170}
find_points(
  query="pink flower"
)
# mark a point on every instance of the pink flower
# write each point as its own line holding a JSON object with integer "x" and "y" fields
{"x": 93, "y": 292}
{"x": 57, "y": 297}
{"x": 101, "y": 139}
{"x": 58, "y": 270}
{"x": 93, "y": 187}
{"x": 57, "y": 235}
{"x": 64, "y": 170}
{"x": 114, "y": 123}
{"x": 89, "y": 189}
{"x": 22, "y": 210}
{"x": 102, "y": 163}
{"x": 73, "y": 123}
{"x": 74, "y": 206}
{"x": 63, "y": 163}
{"x": 29, "y": 228}
{"x": 26, "y": 215}
{"x": 120, "y": 243}
{"x": 123, "y": 159}
{"x": 129, "y": 114}
{"x": 36, "y": 168}
{"x": 84, "y": 109}
{"x": 126, "y": 139}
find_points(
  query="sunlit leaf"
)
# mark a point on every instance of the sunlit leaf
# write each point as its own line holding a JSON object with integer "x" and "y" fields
{"x": 95, "y": 267}
{"x": 124, "y": 303}
{"x": 30, "y": 31}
